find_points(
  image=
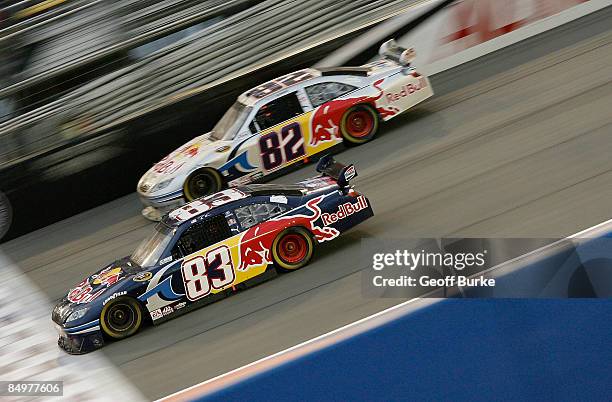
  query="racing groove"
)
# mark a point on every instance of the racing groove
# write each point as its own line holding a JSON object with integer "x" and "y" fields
{"x": 517, "y": 144}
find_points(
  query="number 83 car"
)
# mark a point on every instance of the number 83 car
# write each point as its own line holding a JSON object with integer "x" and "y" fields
{"x": 207, "y": 250}
{"x": 284, "y": 122}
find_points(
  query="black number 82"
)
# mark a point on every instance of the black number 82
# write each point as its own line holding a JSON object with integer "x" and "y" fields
{"x": 278, "y": 149}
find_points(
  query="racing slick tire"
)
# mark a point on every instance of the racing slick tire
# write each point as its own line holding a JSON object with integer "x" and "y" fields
{"x": 201, "y": 183}
{"x": 121, "y": 317}
{"x": 292, "y": 249}
{"x": 359, "y": 124}
{"x": 6, "y": 215}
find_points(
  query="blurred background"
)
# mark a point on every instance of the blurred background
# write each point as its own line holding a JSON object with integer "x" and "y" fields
{"x": 93, "y": 92}
{"x": 515, "y": 143}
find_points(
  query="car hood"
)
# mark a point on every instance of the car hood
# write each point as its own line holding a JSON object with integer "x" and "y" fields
{"x": 104, "y": 281}
{"x": 182, "y": 161}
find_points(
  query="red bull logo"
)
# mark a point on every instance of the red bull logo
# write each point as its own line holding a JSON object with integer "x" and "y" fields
{"x": 345, "y": 210}
{"x": 82, "y": 293}
{"x": 406, "y": 90}
{"x": 107, "y": 277}
{"x": 190, "y": 151}
{"x": 256, "y": 242}
{"x": 325, "y": 125}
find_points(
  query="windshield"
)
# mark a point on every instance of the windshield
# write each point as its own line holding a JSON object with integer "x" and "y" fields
{"x": 147, "y": 254}
{"x": 230, "y": 123}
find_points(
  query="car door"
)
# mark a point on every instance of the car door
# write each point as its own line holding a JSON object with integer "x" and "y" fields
{"x": 276, "y": 130}
{"x": 207, "y": 265}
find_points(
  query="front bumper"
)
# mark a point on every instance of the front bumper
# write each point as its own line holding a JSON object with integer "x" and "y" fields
{"x": 164, "y": 202}
{"x": 80, "y": 344}
{"x": 158, "y": 206}
{"x": 77, "y": 341}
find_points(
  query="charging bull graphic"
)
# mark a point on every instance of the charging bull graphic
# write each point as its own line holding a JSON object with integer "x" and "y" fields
{"x": 256, "y": 243}
{"x": 327, "y": 118}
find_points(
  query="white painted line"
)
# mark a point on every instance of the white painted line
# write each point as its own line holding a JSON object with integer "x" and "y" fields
{"x": 347, "y": 331}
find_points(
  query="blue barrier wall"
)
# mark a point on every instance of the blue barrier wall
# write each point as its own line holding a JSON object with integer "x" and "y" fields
{"x": 468, "y": 349}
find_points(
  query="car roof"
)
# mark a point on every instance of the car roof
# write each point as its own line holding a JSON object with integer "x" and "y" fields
{"x": 240, "y": 195}
{"x": 229, "y": 198}
{"x": 272, "y": 87}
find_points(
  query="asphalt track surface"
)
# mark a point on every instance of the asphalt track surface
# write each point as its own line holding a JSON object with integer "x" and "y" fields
{"x": 517, "y": 144}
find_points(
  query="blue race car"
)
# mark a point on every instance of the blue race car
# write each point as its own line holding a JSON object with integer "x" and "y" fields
{"x": 209, "y": 249}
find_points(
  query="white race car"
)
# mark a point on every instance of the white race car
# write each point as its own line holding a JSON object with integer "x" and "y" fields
{"x": 283, "y": 122}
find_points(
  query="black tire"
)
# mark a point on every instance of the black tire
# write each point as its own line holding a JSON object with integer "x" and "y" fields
{"x": 6, "y": 214}
{"x": 201, "y": 183}
{"x": 121, "y": 317}
{"x": 292, "y": 249}
{"x": 359, "y": 124}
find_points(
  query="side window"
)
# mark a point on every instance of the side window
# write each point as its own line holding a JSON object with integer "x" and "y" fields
{"x": 326, "y": 91}
{"x": 251, "y": 215}
{"x": 200, "y": 235}
{"x": 278, "y": 110}
{"x": 252, "y": 127}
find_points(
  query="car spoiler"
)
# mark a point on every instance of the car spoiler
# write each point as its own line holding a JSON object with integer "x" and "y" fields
{"x": 340, "y": 172}
{"x": 391, "y": 50}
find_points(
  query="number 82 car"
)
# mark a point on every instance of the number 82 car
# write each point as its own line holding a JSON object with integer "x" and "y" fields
{"x": 283, "y": 123}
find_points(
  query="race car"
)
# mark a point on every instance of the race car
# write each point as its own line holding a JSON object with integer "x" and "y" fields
{"x": 285, "y": 122}
{"x": 209, "y": 249}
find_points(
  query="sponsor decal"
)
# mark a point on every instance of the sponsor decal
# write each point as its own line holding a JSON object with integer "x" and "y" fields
{"x": 190, "y": 150}
{"x": 281, "y": 199}
{"x": 143, "y": 276}
{"x": 180, "y": 305}
{"x": 113, "y": 296}
{"x": 345, "y": 210}
{"x": 82, "y": 293}
{"x": 156, "y": 314}
{"x": 256, "y": 242}
{"x": 257, "y": 176}
{"x": 167, "y": 166}
{"x": 349, "y": 173}
{"x": 406, "y": 90}
{"x": 167, "y": 311}
{"x": 107, "y": 277}
{"x": 326, "y": 119}
{"x": 165, "y": 260}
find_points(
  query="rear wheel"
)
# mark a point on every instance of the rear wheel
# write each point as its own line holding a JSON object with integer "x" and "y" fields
{"x": 121, "y": 317}
{"x": 359, "y": 124}
{"x": 292, "y": 249}
{"x": 201, "y": 183}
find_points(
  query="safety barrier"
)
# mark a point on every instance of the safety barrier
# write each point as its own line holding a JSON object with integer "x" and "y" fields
{"x": 486, "y": 348}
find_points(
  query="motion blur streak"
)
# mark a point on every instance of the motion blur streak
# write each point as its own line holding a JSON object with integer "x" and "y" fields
{"x": 28, "y": 346}
{"x": 514, "y": 144}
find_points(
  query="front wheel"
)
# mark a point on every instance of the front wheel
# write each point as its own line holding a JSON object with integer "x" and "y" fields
{"x": 201, "y": 183}
{"x": 121, "y": 318}
{"x": 292, "y": 249}
{"x": 359, "y": 124}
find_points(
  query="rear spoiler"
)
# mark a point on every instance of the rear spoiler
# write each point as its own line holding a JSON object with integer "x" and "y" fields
{"x": 391, "y": 50}
{"x": 340, "y": 172}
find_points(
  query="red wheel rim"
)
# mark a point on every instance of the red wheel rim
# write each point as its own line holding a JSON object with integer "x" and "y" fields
{"x": 292, "y": 248}
{"x": 359, "y": 123}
